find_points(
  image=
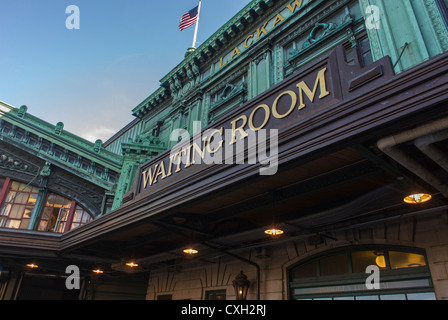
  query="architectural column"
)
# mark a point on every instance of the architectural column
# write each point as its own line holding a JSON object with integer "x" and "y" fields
{"x": 410, "y": 32}
{"x": 41, "y": 197}
{"x": 38, "y": 207}
{"x": 278, "y": 64}
{"x": 134, "y": 154}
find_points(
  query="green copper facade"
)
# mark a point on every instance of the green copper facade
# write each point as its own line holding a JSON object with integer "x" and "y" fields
{"x": 56, "y": 160}
{"x": 261, "y": 45}
{"x": 338, "y": 193}
{"x": 410, "y": 32}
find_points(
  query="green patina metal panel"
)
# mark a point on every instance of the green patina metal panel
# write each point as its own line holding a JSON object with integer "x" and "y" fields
{"x": 261, "y": 45}
{"x": 417, "y": 23}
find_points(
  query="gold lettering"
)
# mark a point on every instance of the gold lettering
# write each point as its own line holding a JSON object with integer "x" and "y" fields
{"x": 174, "y": 156}
{"x": 320, "y": 81}
{"x": 209, "y": 150}
{"x": 199, "y": 151}
{"x": 297, "y": 4}
{"x": 148, "y": 176}
{"x": 220, "y": 63}
{"x": 293, "y": 96}
{"x": 187, "y": 151}
{"x": 247, "y": 45}
{"x": 243, "y": 134}
{"x": 267, "y": 112}
{"x": 179, "y": 161}
{"x": 161, "y": 171}
{"x": 278, "y": 19}
{"x": 261, "y": 30}
{"x": 235, "y": 53}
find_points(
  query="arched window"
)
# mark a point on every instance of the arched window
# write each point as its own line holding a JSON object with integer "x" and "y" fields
{"x": 16, "y": 208}
{"x": 80, "y": 217}
{"x": 61, "y": 214}
{"x": 56, "y": 209}
{"x": 341, "y": 275}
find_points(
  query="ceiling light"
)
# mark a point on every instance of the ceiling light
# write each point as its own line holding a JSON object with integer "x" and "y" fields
{"x": 132, "y": 264}
{"x": 191, "y": 251}
{"x": 274, "y": 231}
{"x": 32, "y": 265}
{"x": 417, "y": 198}
{"x": 98, "y": 271}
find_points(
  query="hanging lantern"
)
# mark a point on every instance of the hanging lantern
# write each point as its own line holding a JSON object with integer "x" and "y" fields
{"x": 241, "y": 286}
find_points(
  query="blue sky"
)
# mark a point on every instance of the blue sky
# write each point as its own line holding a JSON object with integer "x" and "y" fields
{"x": 91, "y": 78}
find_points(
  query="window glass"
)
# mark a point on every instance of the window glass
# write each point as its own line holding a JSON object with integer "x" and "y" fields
{"x": 32, "y": 199}
{"x": 362, "y": 259}
{"x": 367, "y": 298}
{"x": 400, "y": 260}
{"x": 308, "y": 270}
{"x": 15, "y": 185}
{"x": 334, "y": 265}
{"x": 6, "y": 209}
{"x": 80, "y": 217}
{"x": 392, "y": 297}
{"x": 402, "y": 283}
{"x": 12, "y": 224}
{"x": 50, "y": 199}
{"x": 52, "y": 217}
{"x": 17, "y": 211}
{"x": 11, "y": 196}
{"x": 62, "y": 220}
{"x": 421, "y": 296}
{"x": 215, "y": 295}
{"x": 18, "y": 205}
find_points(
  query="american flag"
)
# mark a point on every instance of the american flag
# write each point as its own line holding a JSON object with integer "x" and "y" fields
{"x": 188, "y": 19}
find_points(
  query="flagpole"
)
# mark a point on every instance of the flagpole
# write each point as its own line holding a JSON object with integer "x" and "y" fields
{"x": 197, "y": 25}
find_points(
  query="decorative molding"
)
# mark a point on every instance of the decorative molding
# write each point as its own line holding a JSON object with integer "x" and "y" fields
{"x": 438, "y": 23}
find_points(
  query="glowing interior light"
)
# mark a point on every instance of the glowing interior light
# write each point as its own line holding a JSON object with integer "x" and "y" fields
{"x": 417, "y": 198}
{"x": 132, "y": 264}
{"x": 274, "y": 232}
{"x": 191, "y": 251}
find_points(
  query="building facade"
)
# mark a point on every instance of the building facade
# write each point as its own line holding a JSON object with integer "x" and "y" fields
{"x": 316, "y": 118}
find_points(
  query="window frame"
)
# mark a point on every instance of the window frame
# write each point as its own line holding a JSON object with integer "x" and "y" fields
{"x": 4, "y": 202}
{"x": 52, "y": 208}
{"x": 388, "y": 275}
{"x": 212, "y": 294}
{"x": 64, "y": 225}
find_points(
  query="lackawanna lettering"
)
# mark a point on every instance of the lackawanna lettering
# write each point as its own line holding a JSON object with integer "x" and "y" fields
{"x": 240, "y": 129}
{"x": 261, "y": 31}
